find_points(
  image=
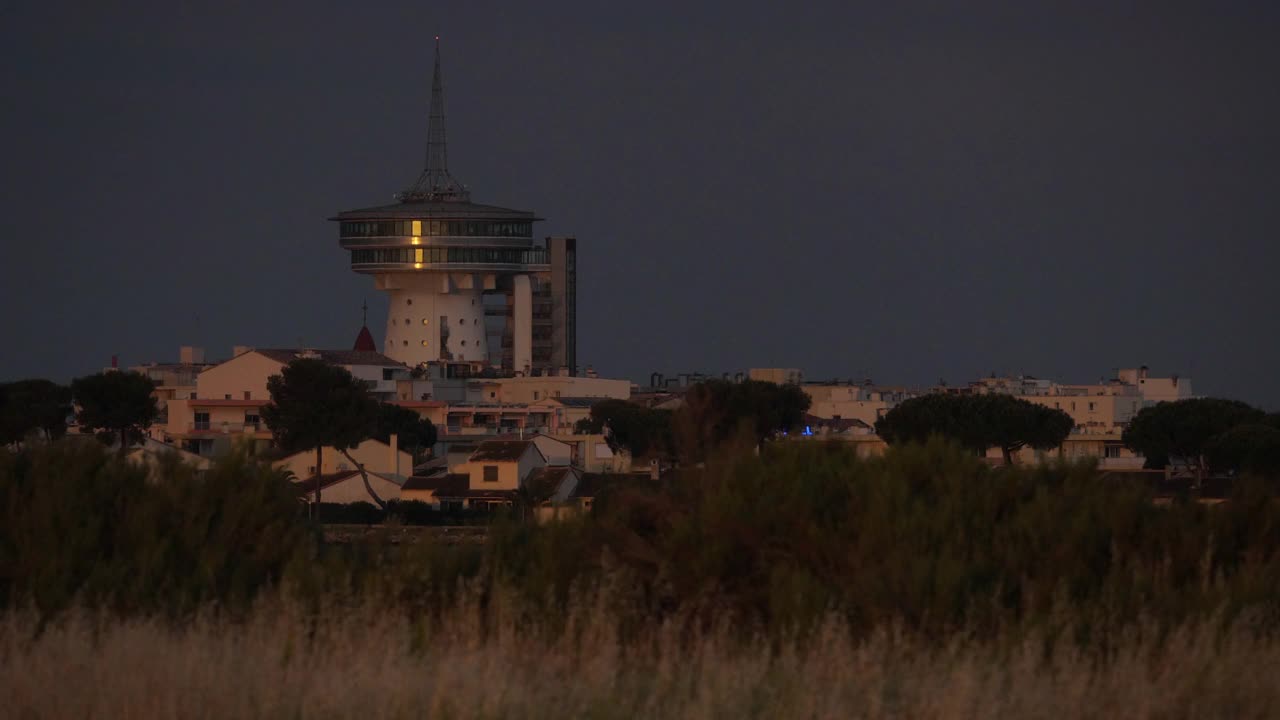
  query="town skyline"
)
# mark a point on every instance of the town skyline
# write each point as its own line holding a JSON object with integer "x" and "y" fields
{"x": 947, "y": 214}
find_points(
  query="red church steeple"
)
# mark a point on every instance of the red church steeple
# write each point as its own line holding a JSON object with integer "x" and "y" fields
{"x": 364, "y": 341}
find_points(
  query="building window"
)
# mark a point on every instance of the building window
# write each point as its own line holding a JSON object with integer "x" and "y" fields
{"x": 1112, "y": 451}
{"x": 408, "y": 301}
{"x": 535, "y": 394}
{"x": 491, "y": 473}
{"x": 387, "y": 373}
{"x": 406, "y": 343}
{"x": 201, "y": 421}
{"x": 462, "y": 321}
{"x": 464, "y": 343}
{"x": 227, "y": 396}
{"x": 1090, "y": 407}
{"x": 406, "y": 321}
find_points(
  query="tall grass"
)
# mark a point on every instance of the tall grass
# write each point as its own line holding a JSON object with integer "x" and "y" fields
{"x": 279, "y": 661}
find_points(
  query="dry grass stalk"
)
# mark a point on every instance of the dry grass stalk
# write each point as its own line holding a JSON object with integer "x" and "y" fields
{"x": 363, "y": 661}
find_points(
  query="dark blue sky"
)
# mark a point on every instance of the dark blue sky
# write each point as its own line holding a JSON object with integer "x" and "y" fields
{"x": 905, "y": 191}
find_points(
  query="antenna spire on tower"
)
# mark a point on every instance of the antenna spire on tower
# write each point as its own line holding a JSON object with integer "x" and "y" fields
{"x": 435, "y": 184}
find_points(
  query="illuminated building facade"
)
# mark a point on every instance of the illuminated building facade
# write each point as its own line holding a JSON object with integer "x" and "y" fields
{"x": 466, "y": 282}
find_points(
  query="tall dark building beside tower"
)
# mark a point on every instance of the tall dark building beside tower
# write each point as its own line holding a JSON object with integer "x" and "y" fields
{"x": 467, "y": 282}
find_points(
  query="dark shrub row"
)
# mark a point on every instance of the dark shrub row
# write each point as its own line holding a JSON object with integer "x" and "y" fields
{"x": 927, "y": 537}
{"x": 78, "y": 523}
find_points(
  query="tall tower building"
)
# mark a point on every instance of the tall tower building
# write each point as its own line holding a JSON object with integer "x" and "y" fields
{"x": 466, "y": 282}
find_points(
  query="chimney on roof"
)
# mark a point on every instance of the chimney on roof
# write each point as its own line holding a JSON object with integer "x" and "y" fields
{"x": 115, "y": 362}
{"x": 394, "y": 442}
{"x": 190, "y": 355}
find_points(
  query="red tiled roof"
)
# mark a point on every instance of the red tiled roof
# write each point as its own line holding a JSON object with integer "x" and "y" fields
{"x": 308, "y": 485}
{"x": 364, "y": 341}
{"x": 544, "y": 482}
{"x": 502, "y": 450}
{"x": 450, "y": 484}
{"x": 333, "y": 357}
{"x": 839, "y": 425}
{"x": 456, "y": 486}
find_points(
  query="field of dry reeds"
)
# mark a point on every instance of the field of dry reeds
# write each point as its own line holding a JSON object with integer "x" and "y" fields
{"x": 281, "y": 661}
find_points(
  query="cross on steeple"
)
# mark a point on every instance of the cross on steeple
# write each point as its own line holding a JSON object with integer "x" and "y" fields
{"x": 364, "y": 339}
{"x": 435, "y": 184}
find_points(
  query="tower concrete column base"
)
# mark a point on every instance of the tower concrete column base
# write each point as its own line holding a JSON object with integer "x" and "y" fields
{"x": 522, "y": 327}
{"x": 434, "y": 316}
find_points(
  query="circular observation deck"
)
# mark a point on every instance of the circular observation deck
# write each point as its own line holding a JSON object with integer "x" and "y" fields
{"x": 441, "y": 236}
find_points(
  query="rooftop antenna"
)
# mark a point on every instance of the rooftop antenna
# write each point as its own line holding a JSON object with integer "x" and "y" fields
{"x": 435, "y": 184}
{"x": 364, "y": 313}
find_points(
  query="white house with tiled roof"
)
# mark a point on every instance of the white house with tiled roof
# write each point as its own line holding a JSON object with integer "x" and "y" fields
{"x": 346, "y": 486}
{"x": 502, "y": 464}
{"x": 492, "y": 476}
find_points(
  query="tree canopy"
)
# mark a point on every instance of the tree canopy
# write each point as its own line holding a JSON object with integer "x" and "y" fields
{"x": 36, "y": 405}
{"x": 1184, "y": 429}
{"x": 639, "y": 430}
{"x": 314, "y": 405}
{"x": 716, "y": 410}
{"x": 119, "y": 405}
{"x": 414, "y": 432}
{"x": 977, "y": 422}
{"x": 1253, "y": 448}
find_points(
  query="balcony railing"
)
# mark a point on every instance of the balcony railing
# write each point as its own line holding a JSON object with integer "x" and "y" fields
{"x": 456, "y": 431}
{"x": 226, "y": 428}
{"x": 445, "y": 257}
